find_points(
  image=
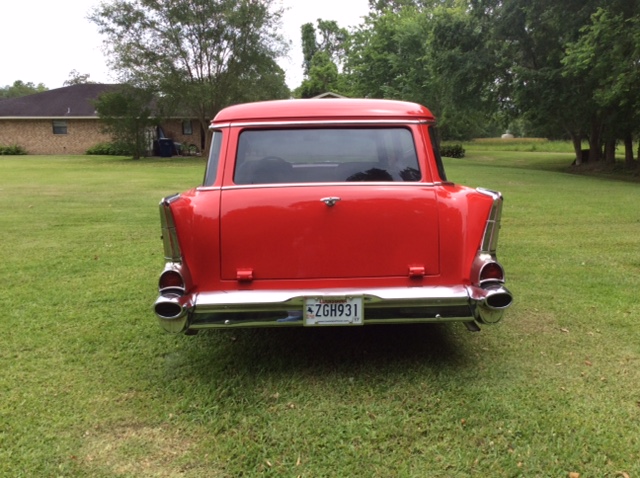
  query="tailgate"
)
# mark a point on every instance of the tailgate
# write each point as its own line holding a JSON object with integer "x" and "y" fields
{"x": 290, "y": 233}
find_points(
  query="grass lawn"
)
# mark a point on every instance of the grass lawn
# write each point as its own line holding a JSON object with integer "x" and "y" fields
{"x": 91, "y": 386}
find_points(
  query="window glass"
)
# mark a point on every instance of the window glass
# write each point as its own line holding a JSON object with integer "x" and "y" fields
{"x": 59, "y": 127}
{"x": 214, "y": 158}
{"x": 187, "y": 127}
{"x": 435, "y": 141}
{"x": 326, "y": 155}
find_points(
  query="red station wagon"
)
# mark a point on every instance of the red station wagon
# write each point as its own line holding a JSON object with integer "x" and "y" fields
{"x": 328, "y": 213}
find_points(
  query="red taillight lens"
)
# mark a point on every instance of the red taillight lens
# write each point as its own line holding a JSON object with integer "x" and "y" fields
{"x": 492, "y": 271}
{"x": 171, "y": 280}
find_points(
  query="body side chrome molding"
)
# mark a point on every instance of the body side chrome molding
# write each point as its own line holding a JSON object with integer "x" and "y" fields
{"x": 172, "y": 250}
{"x": 492, "y": 227}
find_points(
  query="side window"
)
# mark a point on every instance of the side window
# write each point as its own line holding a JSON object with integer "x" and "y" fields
{"x": 214, "y": 158}
{"x": 59, "y": 127}
{"x": 435, "y": 143}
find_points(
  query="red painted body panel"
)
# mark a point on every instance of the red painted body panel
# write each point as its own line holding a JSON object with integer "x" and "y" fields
{"x": 437, "y": 227}
{"x": 289, "y": 233}
{"x": 327, "y": 109}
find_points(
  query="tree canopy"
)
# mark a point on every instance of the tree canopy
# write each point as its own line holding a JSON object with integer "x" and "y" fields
{"x": 557, "y": 69}
{"x": 77, "y": 78}
{"x": 324, "y": 49}
{"x": 126, "y": 115}
{"x": 197, "y": 55}
{"x": 20, "y": 88}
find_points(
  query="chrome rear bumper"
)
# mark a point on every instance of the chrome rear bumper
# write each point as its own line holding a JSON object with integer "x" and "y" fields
{"x": 278, "y": 308}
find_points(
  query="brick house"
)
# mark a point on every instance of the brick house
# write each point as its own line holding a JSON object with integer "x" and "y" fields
{"x": 64, "y": 121}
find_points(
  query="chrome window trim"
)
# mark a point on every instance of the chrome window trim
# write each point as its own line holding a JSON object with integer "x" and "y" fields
{"x": 333, "y": 183}
{"x": 320, "y": 123}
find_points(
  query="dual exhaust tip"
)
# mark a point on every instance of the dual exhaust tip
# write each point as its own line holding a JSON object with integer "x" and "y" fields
{"x": 172, "y": 313}
{"x": 490, "y": 308}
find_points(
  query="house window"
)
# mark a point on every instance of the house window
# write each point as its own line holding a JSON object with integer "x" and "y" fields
{"x": 187, "y": 127}
{"x": 59, "y": 127}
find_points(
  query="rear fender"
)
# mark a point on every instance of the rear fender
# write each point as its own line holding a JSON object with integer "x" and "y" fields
{"x": 464, "y": 216}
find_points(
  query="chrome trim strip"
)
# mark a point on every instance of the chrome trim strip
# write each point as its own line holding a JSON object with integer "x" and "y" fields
{"x": 334, "y": 183}
{"x": 492, "y": 227}
{"x": 320, "y": 123}
{"x": 252, "y": 300}
{"x": 172, "y": 250}
{"x": 228, "y": 324}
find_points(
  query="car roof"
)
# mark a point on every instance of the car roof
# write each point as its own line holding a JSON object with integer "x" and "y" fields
{"x": 319, "y": 109}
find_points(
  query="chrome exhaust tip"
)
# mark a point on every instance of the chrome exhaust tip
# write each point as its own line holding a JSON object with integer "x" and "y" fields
{"x": 491, "y": 307}
{"x": 172, "y": 314}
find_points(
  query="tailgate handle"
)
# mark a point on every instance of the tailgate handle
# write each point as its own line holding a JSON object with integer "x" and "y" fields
{"x": 330, "y": 201}
{"x": 244, "y": 275}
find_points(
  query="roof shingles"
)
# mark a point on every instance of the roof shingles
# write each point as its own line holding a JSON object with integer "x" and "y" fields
{"x": 67, "y": 102}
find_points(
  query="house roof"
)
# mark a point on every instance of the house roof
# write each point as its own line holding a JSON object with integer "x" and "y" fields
{"x": 75, "y": 101}
{"x": 329, "y": 94}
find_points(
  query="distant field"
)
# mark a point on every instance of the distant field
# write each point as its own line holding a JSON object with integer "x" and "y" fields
{"x": 91, "y": 387}
{"x": 520, "y": 144}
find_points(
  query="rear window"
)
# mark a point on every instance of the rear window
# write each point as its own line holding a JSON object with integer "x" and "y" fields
{"x": 312, "y": 155}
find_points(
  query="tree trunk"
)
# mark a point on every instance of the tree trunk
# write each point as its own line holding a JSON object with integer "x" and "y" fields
{"x": 576, "y": 139}
{"x": 610, "y": 151}
{"x": 595, "y": 142}
{"x": 628, "y": 151}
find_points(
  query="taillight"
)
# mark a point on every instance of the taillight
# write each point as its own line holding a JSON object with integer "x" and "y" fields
{"x": 491, "y": 271}
{"x": 171, "y": 280}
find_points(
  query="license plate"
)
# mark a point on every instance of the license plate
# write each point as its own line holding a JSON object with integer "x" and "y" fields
{"x": 325, "y": 310}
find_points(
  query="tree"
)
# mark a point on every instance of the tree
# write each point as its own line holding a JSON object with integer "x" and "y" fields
{"x": 607, "y": 54}
{"x": 323, "y": 58}
{"x": 20, "y": 88}
{"x": 77, "y": 78}
{"x": 534, "y": 38}
{"x": 435, "y": 56}
{"x": 199, "y": 55}
{"x": 323, "y": 76}
{"x": 126, "y": 115}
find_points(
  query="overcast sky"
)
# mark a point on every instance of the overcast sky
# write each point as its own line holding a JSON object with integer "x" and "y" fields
{"x": 42, "y": 40}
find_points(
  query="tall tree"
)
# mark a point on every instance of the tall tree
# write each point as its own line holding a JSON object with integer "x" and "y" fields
{"x": 20, "y": 88}
{"x": 126, "y": 115}
{"x": 434, "y": 56}
{"x": 201, "y": 55}
{"x": 607, "y": 56}
{"x": 533, "y": 37}
{"x": 324, "y": 50}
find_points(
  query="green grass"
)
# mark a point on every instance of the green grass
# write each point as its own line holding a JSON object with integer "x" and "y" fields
{"x": 540, "y": 145}
{"x": 90, "y": 385}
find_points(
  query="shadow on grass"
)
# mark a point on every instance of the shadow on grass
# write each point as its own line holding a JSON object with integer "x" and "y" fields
{"x": 333, "y": 350}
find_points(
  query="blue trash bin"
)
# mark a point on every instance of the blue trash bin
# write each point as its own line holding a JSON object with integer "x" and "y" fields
{"x": 165, "y": 147}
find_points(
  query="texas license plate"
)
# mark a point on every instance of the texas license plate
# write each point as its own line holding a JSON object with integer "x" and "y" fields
{"x": 325, "y": 310}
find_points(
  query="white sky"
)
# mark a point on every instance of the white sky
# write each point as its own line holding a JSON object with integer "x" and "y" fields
{"x": 42, "y": 41}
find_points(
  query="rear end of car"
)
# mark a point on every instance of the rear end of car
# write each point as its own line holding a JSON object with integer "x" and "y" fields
{"x": 328, "y": 212}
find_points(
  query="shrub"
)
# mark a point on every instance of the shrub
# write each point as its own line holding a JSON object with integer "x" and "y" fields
{"x": 452, "y": 150}
{"x": 109, "y": 149}
{"x": 12, "y": 150}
